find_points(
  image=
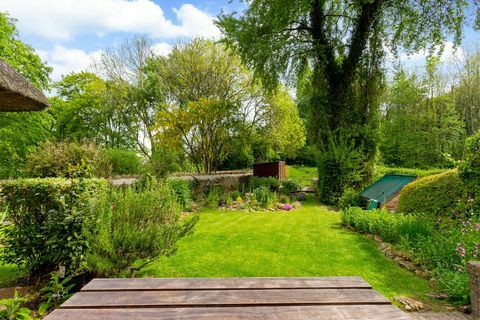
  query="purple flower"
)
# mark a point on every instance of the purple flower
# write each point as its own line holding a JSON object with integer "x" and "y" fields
{"x": 287, "y": 207}
{"x": 478, "y": 226}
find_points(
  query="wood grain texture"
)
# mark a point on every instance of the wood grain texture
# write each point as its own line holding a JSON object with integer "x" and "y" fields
{"x": 146, "y": 299}
{"x": 369, "y": 312}
{"x": 156, "y": 284}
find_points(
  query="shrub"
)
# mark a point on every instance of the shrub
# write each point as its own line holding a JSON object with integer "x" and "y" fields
{"x": 270, "y": 182}
{"x": 380, "y": 171}
{"x": 48, "y": 217}
{"x": 350, "y": 198}
{"x": 134, "y": 225}
{"x": 123, "y": 162}
{"x": 67, "y": 159}
{"x": 182, "y": 190}
{"x": 215, "y": 195}
{"x": 265, "y": 197}
{"x": 289, "y": 186}
{"x": 438, "y": 194}
{"x": 469, "y": 168}
{"x": 391, "y": 227}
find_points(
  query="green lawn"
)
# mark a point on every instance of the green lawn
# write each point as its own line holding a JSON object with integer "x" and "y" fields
{"x": 302, "y": 174}
{"x": 305, "y": 242}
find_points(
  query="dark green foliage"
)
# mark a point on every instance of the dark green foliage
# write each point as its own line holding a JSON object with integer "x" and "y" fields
{"x": 419, "y": 173}
{"x": 269, "y": 182}
{"x": 438, "y": 194}
{"x": 182, "y": 190}
{"x": 48, "y": 217}
{"x": 134, "y": 225}
{"x": 419, "y": 130}
{"x": 123, "y": 162}
{"x": 339, "y": 168}
{"x": 469, "y": 168}
{"x": 350, "y": 198}
{"x": 265, "y": 197}
{"x": 67, "y": 159}
{"x": 215, "y": 195}
{"x": 289, "y": 186}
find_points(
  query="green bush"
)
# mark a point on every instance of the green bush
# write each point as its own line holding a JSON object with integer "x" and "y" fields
{"x": 289, "y": 186}
{"x": 134, "y": 226}
{"x": 182, "y": 190}
{"x": 391, "y": 227}
{"x": 265, "y": 197}
{"x": 438, "y": 194}
{"x": 215, "y": 195}
{"x": 270, "y": 182}
{"x": 67, "y": 159}
{"x": 48, "y": 217}
{"x": 380, "y": 171}
{"x": 469, "y": 168}
{"x": 350, "y": 198}
{"x": 123, "y": 162}
{"x": 443, "y": 247}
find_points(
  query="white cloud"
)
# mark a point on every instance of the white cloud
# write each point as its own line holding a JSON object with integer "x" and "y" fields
{"x": 162, "y": 49}
{"x": 63, "y": 19}
{"x": 65, "y": 60}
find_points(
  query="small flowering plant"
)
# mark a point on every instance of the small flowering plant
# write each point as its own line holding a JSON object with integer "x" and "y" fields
{"x": 287, "y": 207}
{"x": 468, "y": 248}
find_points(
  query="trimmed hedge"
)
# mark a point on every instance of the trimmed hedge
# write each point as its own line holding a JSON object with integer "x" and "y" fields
{"x": 47, "y": 219}
{"x": 380, "y": 171}
{"x": 438, "y": 194}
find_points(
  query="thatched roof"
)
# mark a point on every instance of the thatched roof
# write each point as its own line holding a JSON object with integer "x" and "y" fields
{"x": 17, "y": 93}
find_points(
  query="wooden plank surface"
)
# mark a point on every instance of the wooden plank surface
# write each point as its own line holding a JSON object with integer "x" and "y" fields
{"x": 215, "y": 298}
{"x": 362, "y": 312}
{"x": 156, "y": 284}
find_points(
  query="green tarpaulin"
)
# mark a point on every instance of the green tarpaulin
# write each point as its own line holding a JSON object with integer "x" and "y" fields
{"x": 386, "y": 188}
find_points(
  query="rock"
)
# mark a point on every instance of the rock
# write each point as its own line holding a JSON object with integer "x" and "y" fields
{"x": 407, "y": 265}
{"x": 438, "y": 295}
{"x": 410, "y": 304}
{"x": 425, "y": 275}
{"x": 464, "y": 309}
{"x": 378, "y": 238}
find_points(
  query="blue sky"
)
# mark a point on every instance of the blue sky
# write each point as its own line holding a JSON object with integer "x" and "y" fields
{"x": 68, "y": 34}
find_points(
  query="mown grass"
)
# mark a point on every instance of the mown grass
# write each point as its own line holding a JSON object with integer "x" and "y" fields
{"x": 301, "y": 174}
{"x": 304, "y": 242}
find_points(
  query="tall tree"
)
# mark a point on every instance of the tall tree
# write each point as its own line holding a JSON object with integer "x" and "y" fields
{"x": 21, "y": 132}
{"x": 129, "y": 68}
{"x": 343, "y": 44}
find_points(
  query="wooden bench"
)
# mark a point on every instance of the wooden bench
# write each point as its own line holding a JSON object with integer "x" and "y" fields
{"x": 228, "y": 298}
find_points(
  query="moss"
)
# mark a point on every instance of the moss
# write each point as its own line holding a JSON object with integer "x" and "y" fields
{"x": 438, "y": 194}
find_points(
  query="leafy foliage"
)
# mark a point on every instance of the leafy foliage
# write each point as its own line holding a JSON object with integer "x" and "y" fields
{"x": 469, "y": 169}
{"x": 289, "y": 186}
{"x": 55, "y": 293}
{"x": 270, "y": 182}
{"x": 13, "y": 309}
{"x": 443, "y": 246}
{"x": 420, "y": 126}
{"x": 183, "y": 192}
{"x": 438, "y": 194}
{"x": 123, "y": 161}
{"x": 21, "y": 132}
{"x": 134, "y": 225}
{"x": 265, "y": 197}
{"x": 67, "y": 159}
{"x": 48, "y": 217}
{"x": 334, "y": 51}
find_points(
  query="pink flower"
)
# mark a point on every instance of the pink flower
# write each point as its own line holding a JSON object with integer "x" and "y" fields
{"x": 478, "y": 226}
{"x": 287, "y": 207}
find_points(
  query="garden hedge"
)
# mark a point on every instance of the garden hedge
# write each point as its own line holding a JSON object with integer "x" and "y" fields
{"x": 47, "y": 219}
{"x": 439, "y": 194}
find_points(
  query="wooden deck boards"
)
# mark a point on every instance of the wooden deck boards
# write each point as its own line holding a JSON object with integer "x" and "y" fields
{"x": 228, "y": 298}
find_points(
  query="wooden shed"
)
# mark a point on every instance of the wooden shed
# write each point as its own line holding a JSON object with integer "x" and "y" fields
{"x": 270, "y": 169}
{"x": 17, "y": 93}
